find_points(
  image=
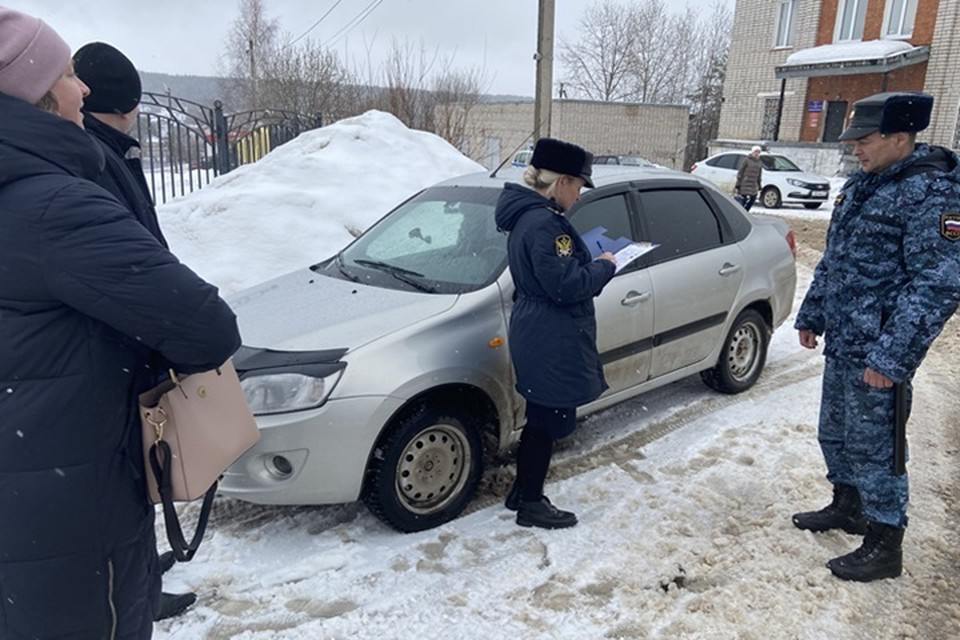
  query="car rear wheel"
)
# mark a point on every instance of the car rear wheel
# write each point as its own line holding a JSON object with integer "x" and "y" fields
{"x": 770, "y": 198}
{"x": 743, "y": 356}
{"x": 812, "y": 205}
{"x": 425, "y": 471}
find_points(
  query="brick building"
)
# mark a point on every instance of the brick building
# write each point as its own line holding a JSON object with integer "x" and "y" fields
{"x": 797, "y": 66}
{"x": 656, "y": 132}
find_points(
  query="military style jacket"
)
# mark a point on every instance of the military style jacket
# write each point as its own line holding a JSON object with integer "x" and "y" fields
{"x": 890, "y": 275}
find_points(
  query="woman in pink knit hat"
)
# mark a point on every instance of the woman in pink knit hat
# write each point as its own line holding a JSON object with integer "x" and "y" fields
{"x": 90, "y": 302}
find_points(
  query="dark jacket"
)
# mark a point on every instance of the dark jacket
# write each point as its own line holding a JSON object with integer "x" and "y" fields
{"x": 889, "y": 278}
{"x": 86, "y": 294}
{"x": 553, "y": 331}
{"x": 123, "y": 175}
{"x": 749, "y": 177}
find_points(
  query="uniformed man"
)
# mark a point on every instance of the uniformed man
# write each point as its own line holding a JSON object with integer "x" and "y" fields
{"x": 888, "y": 281}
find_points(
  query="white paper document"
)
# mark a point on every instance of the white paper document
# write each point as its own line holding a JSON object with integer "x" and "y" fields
{"x": 631, "y": 252}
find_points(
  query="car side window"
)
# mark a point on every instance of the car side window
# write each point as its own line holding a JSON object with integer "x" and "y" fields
{"x": 680, "y": 221}
{"x": 610, "y": 213}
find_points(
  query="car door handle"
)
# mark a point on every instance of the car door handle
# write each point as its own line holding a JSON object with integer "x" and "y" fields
{"x": 635, "y": 297}
{"x": 729, "y": 269}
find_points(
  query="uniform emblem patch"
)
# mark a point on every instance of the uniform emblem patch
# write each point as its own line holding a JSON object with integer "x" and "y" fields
{"x": 950, "y": 226}
{"x": 840, "y": 198}
{"x": 564, "y": 244}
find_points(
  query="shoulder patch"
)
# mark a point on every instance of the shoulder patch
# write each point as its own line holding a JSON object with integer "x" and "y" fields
{"x": 950, "y": 226}
{"x": 839, "y": 199}
{"x": 564, "y": 245}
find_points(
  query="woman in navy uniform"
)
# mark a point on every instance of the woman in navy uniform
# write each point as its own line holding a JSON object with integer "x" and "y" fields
{"x": 553, "y": 330}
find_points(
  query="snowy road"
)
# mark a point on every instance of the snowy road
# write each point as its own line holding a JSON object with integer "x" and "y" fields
{"x": 684, "y": 498}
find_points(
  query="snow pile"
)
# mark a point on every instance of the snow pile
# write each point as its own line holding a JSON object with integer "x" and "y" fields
{"x": 848, "y": 51}
{"x": 302, "y": 202}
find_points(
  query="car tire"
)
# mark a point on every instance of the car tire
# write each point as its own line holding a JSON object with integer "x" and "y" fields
{"x": 743, "y": 355}
{"x": 770, "y": 198}
{"x": 812, "y": 205}
{"x": 425, "y": 471}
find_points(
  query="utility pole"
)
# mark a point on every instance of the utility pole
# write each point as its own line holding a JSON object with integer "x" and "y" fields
{"x": 544, "y": 58}
{"x": 253, "y": 73}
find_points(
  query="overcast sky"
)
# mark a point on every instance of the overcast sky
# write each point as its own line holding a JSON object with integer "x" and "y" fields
{"x": 187, "y": 36}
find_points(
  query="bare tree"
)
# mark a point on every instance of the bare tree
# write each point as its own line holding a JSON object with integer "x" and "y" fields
{"x": 598, "y": 64}
{"x": 307, "y": 78}
{"x": 407, "y": 74}
{"x": 455, "y": 94}
{"x": 250, "y": 43}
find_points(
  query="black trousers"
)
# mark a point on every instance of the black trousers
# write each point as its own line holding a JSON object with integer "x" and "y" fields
{"x": 544, "y": 425}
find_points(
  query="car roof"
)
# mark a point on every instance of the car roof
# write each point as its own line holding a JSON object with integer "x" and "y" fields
{"x": 603, "y": 176}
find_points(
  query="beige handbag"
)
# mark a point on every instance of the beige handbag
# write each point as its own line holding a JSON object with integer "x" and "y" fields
{"x": 194, "y": 428}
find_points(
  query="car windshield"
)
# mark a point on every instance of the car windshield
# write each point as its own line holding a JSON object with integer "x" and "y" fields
{"x": 778, "y": 163}
{"x": 444, "y": 240}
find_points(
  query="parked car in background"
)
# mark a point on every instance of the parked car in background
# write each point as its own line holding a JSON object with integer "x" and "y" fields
{"x": 383, "y": 373}
{"x": 522, "y": 158}
{"x": 629, "y": 161}
{"x": 783, "y": 181}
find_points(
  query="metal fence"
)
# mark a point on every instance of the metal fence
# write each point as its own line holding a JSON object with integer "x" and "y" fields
{"x": 185, "y": 145}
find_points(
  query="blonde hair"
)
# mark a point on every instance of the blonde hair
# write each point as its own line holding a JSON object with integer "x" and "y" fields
{"x": 48, "y": 103}
{"x": 541, "y": 179}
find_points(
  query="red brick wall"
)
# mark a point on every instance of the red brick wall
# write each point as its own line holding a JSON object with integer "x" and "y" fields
{"x": 853, "y": 88}
{"x": 873, "y": 25}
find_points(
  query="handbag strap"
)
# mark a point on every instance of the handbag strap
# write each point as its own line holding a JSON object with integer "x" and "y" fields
{"x": 183, "y": 551}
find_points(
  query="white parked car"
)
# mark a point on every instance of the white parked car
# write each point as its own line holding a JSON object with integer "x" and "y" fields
{"x": 783, "y": 181}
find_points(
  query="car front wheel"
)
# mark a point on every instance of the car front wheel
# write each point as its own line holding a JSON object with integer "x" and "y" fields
{"x": 425, "y": 471}
{"x": 770, "y": 198}
{"x": 743, "y": 356}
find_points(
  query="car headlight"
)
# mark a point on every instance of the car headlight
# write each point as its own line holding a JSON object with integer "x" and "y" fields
{"x": 285, "y": 392}
{"x": 798, "y": 183}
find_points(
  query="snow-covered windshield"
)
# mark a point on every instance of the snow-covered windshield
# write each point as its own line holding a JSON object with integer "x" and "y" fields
{"x": 778, "y": 163}
{"x": 444, "y": 240}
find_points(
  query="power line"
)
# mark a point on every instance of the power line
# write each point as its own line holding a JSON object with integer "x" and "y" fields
{"x": 315, "y": 24}
{"x": 356, "y": 21}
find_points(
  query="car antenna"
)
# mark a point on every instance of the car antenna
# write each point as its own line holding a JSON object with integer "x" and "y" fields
{"x": 510, "y": 155}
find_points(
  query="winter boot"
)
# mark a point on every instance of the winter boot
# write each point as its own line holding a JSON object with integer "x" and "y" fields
{"x": 513, "y": 498}
{"x": 541, "y": 513}
{"x": 173, "y": 604}
{"x": 845, "y": 512}
{"x": 166, "y": 562}
{"x": 880, "y": 556}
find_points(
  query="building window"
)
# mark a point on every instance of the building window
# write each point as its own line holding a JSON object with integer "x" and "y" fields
{"x": 785, "y": 16}
{"x": 899, "y": 19}
{"x": 850, "y": 20}
{"x": 769, "y": 128}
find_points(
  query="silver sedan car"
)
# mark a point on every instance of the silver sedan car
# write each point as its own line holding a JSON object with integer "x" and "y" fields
{"x": 383, "y": 373}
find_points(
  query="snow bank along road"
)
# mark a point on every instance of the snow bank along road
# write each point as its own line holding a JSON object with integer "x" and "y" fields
{"x": 684, "y": 498}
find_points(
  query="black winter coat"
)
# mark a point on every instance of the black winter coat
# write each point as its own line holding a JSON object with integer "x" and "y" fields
{"x": 86, "y": 294}
{"x": 123, "y": 175}
{"x": 553, "y": 330}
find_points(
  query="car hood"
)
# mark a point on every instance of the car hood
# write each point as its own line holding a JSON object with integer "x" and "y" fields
{"x": 304, "y": 311}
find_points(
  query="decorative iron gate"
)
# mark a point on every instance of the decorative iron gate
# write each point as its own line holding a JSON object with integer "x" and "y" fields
{"x": 185, "y": 144}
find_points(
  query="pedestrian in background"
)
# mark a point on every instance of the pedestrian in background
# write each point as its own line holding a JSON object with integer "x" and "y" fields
{"x": 553, "y": 329}
{"x": 749, "y": 179}
{"x": 110, "y": 112}
{"x": 888, "y": 281}
{"x": 87, "y": 294}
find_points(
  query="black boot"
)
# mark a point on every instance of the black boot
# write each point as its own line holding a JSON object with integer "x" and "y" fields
{"x": 166, "y": 562}
{"x": 845, "y": 512}
{"x": 880, "y": 556}
{"x": 173, "y": 604}
{"x": 513, "y": 498}
{"x": 543, "y": 514}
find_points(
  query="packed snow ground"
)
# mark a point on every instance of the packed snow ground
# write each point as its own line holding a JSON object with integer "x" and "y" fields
{"x": 305, "y": 200}
{"x": 684, "y": 495}
{"x": 687, "y": 537}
